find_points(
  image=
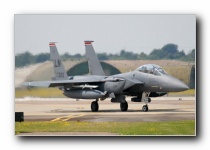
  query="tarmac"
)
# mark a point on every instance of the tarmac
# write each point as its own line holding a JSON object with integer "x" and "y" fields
{"x": 65, "y": 109}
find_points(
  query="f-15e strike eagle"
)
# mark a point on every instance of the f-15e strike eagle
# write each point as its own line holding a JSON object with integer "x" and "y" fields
{"x": 147, "y": 81}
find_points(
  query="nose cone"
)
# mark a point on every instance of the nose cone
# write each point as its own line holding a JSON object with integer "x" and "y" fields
{"x": 176, "y": 85}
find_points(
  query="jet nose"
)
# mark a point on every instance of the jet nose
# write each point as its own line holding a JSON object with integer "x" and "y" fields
{"x": 177, "y": 85}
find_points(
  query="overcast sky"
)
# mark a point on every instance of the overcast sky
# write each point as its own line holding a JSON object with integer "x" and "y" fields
{"x": 110, "y": 33}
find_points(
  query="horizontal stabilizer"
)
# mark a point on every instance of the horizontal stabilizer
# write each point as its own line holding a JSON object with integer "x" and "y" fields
{"x": 37, "y": 84}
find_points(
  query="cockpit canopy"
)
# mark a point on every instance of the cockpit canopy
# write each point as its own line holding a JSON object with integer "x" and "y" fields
{"x": 152, "y": 69}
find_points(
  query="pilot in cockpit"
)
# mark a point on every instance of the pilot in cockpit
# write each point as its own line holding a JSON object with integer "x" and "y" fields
{"x": 151, "y": 69}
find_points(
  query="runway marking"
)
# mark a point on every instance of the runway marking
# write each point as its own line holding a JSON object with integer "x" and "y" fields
{"x": 66, "y": 118}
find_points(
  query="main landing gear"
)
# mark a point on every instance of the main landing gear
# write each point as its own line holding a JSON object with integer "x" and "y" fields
{"x": 94, "y": 106}
{"x": 123, "y": 103}
{"x": 124, "y": 106}
{"x": 120, "y": 99}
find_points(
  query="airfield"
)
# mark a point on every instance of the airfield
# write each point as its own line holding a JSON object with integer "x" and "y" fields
{"x": 38, "y": 109}
{"x": 65, "y": 109}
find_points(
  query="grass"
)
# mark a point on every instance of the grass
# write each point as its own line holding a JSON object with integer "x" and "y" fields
{"x": 180, "y": 72}
{"x": 39, "y": 92}
{"x": 186, "y": 127}
{"x": 190, "y": 92}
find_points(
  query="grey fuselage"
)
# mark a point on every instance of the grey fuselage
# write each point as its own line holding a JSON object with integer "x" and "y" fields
{"x": 154, "y": 83}
{"x": 151, "y": 83}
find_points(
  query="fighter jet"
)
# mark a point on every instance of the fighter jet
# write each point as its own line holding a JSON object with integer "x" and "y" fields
{"x": 147, "y": 81}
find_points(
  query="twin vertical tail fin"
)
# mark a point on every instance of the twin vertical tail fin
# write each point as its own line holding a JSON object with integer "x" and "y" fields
{"x": 59, "y": 71}
{"x": 93, "y": 62}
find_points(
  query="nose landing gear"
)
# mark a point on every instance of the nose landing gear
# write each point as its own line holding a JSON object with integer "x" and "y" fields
{"x": 145, "y": 107}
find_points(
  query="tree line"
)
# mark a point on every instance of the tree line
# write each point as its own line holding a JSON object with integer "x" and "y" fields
{"x": 168, "y": 51}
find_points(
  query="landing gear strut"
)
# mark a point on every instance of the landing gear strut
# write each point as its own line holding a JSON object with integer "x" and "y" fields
{"x": 94, "y": 106}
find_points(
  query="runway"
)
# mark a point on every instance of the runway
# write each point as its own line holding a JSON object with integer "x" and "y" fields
{"x": 65, "y": 109}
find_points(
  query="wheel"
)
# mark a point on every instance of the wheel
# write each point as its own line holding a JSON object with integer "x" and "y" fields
{"x": 149, "y": 100}
{"x": 145, "y": 108}
{"x": 94, "y": 106}
{"x": 124, "y": 106}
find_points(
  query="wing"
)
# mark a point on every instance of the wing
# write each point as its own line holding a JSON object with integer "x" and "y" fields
{"x": 69, "y": 83}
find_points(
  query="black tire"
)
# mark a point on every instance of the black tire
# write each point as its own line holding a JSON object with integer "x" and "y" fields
{"x": 149, "y": 100}
{"x": 145, "y": 108}
{"x": 94, "y": 106}
{"x": 124, "y": 106}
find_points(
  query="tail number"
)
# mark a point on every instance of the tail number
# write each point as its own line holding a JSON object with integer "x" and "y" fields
{"x": 60, "y": 75}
